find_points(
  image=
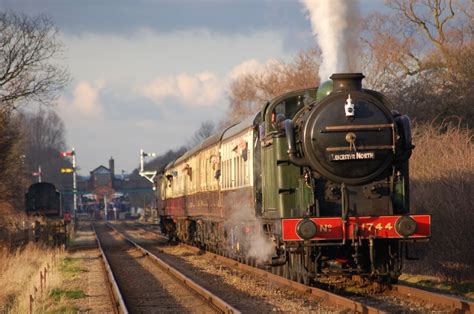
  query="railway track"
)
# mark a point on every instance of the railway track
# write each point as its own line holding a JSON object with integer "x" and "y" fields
{"x": 141, "y": 282}
{"x": 400, "y": 298}
{"x": 114, "y": 290}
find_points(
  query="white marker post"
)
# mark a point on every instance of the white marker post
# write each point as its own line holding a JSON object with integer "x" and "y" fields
{"x": 149, "y": 175}
{"x": 39, "y": 173}
{"x": 105, "y": 206}
{"x": 74, "y": 183}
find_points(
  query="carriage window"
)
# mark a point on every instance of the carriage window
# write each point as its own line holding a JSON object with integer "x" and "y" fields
{"x": 236, "y": 156}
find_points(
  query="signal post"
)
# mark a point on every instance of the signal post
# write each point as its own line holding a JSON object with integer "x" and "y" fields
{"x": 72, "y": 154}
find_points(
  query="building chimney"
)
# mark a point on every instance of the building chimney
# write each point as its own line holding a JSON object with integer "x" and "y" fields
{"x": 112, "y": 167}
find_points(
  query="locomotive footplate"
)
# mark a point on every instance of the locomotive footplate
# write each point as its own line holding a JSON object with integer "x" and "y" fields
{"x": 333, "y": 228}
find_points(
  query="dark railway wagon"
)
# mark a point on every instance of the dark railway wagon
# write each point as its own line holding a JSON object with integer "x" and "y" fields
{"x": 43, "y": 198}
{"x": 43, "y": 207}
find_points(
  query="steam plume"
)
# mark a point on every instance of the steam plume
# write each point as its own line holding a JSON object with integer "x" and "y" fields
{"x": 335, "y": 23}
{"x": 242, "y": 214}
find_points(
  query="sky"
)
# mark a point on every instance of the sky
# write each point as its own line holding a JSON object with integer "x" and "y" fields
{"x": 147, "y": 73}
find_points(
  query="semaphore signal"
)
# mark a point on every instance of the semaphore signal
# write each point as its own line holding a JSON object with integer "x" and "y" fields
{"x": 37, "y": 174}
{"x": 67, "y": 154}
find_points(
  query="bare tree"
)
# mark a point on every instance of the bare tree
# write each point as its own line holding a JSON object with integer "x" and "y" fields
{"x": 206, "y": 129}
{"x": 44, "y": 135}
{"x": 28, "y": 49}
{"x": 418, "y": 36}
{"x": 249, "y": 91}
{"x": 429, "y": 16}
{"x": 421, "y": 54}
{"x": 44, "y": 129}
{"x": 11, "y": 164}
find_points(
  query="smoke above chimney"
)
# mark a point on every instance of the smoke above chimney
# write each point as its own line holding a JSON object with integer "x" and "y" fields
{"x": 335, "y": 24}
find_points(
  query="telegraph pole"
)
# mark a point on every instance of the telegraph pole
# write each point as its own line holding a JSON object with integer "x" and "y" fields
{"x": 72, "y": 154}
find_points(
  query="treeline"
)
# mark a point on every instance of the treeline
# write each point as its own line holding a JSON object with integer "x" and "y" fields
{"x": 31, "y": 133}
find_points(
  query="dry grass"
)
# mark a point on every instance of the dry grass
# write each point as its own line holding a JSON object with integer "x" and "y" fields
{"x": 12, "y": 230}
{"x": 11, "y": 222}
{"x": 19, "y": 274}
{"x": 442, "y": 177}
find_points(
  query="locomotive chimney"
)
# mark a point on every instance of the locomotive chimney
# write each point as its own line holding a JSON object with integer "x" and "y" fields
{"x": 347, "y": 81}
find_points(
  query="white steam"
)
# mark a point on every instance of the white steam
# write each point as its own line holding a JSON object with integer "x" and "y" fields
{"x": 242, "y": 216}
{"x": 336, "y": 24}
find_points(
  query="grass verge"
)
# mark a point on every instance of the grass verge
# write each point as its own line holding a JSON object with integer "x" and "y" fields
{"x": 463, "y": 288}
{"x": 70, "y": 268}
{"x": 71, "y": 294}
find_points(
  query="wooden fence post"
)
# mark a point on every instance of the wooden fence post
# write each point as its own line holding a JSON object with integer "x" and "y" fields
{"x": 41, "y": 282}
{"x": 31, "y": 304}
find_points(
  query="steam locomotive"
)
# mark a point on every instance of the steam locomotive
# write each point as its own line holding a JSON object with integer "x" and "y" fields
{"x": 317, "y": 182}
{"x": 43, "y": 208}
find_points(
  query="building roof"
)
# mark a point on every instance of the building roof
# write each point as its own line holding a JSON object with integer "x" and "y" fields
{"x": 101, "y": 170}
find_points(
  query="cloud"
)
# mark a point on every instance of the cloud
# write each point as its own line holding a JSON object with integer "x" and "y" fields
{"x": 85, "y": 99}
{"x": 201, "y": 89}
{"x": 246, "y": 67}
{"x": 251, "y": 66}
{"x": 186, "y": 70}
{"x": 152, "y": 54}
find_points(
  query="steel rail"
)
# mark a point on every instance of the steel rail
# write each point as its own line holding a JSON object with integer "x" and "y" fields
{"x": 188, "y": 282}
{"x": 458, "y": 304}
{"x": 349, "y": 304}
{"x": 120, "y": 306}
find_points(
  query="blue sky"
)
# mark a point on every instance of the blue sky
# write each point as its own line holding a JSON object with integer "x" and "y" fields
{"x": 146, "y": 73}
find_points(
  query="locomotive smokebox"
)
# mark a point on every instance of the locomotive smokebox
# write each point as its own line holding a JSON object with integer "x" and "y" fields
{"x": 347, "y": 82}
{"x": 348, "y": 136}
